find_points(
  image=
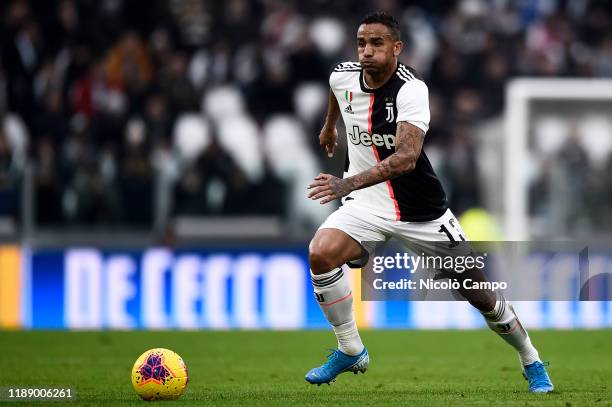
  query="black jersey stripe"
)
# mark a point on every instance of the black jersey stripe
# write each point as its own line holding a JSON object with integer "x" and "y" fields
{"x": 376, "y": 117}
{"x": 327, "y": 281}
{"x": 418, "y": 194}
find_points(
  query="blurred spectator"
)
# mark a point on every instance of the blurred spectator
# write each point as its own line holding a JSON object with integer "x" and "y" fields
{"x": 21, "y": 58}
{"x": 460, "y": 171}
{"x": 9, "y": 179}
{"x": 52, "y": 121}
{"x": 157, "y": 119}
{"x": 66, "y": 31}
{"x": 276, "y": 85}
{"x": 180, "y": 94}
{"x": 496, "y": 70}
{"x": 129, "y": 69}
{"x": 48, "y": 184}
{"x": 136, "y": 176}
{"x": 569, "y": 186}
{"x": 193, "y": 21}
{"x": 235, "y": 25}
{"x": 600, "y": 202}
{"x": 214, "y": 184}
{"x": 306, "y": 62}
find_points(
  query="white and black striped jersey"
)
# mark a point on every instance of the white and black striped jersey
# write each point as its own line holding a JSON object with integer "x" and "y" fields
{"x": 370, "y": 117}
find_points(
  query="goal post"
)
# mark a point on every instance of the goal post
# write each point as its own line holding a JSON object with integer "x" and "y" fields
{"x": 521, "y": 93}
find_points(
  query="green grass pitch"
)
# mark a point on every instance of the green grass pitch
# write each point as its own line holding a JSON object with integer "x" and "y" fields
{"x": 267, "y": 368}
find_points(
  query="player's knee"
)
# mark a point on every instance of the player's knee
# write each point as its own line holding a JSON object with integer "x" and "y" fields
{"x": 481, "y": 300}
{"x": 321, "y": 256}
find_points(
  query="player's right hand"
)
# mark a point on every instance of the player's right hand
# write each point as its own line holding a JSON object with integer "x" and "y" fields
{"x": 329, "y": 141}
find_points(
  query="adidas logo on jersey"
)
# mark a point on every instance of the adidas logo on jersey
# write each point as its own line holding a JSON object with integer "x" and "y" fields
{"x": 379, "y": 140}
{"x": 348, "y": 96}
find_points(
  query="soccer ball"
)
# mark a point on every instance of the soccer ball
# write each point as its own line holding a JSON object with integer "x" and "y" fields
{"x": 159, "y": 374}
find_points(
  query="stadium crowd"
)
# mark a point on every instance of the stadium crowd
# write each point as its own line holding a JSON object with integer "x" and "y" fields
{"x": 134, "y": 110}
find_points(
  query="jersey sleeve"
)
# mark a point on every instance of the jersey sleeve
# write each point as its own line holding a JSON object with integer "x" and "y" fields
{"x": 343, "y": 67}
{"x": 333, "y": 80}
{"x": 413, "y": 104}
{"x": 333, "y": 76}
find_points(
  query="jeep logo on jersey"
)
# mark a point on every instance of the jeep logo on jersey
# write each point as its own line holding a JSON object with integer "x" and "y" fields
{"x": 363, "y": 137}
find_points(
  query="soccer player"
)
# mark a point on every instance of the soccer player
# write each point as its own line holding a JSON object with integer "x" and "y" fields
{"x": 389, "y": 189}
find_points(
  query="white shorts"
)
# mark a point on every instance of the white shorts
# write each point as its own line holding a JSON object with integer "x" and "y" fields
{"x": 369, "y": 230}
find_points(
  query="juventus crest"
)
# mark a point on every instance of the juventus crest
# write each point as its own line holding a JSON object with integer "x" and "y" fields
{"x": 390, "y": 114}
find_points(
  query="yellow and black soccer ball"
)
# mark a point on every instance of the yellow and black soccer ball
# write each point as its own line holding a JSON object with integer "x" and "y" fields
{"x": 159, "y": 374}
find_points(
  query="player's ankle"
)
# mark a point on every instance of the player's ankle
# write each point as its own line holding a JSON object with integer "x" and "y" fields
{"x": 349, "y": 341}
{"x": 351, "y": 349}
{"x": 528, "y": 354}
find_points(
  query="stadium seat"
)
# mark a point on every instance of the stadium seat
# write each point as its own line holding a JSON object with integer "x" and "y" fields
{"x": 191, "y": 136}
{"x": 283, "y": 134}
{"x": 17, "y": 137}
{"x": 240, "y": 137}
{"x": 328, "y": 34}
{"x": 223, "y": 102}
{"x": 594, "y": 133}
{"x": 301, "y": 208}
{"x": 135, "y": 131}
{"x": 309, "y": 100}
{"x": 198, "y": 68}
{"x": 550, "y": 132}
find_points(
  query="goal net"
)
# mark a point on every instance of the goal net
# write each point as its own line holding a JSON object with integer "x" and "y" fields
{"x": 557, "y": 168}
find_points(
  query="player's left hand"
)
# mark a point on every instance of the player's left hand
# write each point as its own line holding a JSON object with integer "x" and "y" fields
{"x": 327, "y": 188}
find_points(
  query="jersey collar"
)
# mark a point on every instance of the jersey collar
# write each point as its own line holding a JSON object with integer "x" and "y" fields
{"x": 373, "y": 90}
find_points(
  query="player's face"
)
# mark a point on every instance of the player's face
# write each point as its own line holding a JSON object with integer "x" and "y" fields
{"x": 376, "y": 47}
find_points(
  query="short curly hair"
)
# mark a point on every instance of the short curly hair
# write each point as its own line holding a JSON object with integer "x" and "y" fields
{"x": 386, "y": 19}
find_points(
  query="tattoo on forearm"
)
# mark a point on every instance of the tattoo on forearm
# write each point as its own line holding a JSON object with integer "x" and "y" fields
{"x": 340, "y": 186}
{"x": 408, "y": 144}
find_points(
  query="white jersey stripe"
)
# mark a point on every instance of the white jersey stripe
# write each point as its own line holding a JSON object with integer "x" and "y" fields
{"x": 403, "y": 77}
{"x": 398, "y": 215}
{"x": 405, "y": 71}
{"x": 370, "y": 132}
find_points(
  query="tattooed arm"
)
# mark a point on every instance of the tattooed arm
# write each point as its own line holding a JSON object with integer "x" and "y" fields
{"x": 408, "y": 145}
